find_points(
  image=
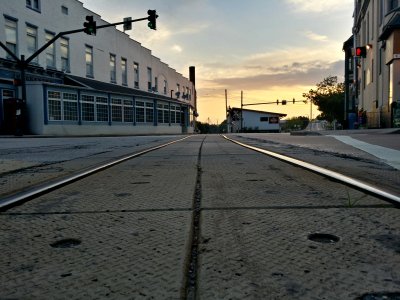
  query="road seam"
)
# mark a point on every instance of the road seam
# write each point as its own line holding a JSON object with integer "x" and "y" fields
{"x": 190, "y": 283}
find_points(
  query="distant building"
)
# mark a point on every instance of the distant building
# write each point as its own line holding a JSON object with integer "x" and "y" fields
{"x": 373, "y": 77}
{"x": 85, "y": 84}
{"x": 253, "y": 120}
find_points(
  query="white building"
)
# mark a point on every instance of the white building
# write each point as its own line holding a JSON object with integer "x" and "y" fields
{"x": 246, "y": 120}
{"x": 88, "y": 84}
{"x": 375, "y": 88}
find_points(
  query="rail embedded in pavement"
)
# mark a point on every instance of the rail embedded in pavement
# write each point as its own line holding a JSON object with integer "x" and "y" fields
{"x": 352, "y": 182}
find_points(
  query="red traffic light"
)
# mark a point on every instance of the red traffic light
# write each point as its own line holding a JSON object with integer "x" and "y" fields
{"x": 361, "y": 51}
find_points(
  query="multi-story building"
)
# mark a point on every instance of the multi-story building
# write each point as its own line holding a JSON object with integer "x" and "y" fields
{"x": 85, "y": 84}
{"x": 373, "y": 81}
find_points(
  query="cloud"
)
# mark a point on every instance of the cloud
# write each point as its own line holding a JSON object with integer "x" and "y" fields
{"x": 177, "y": 48}
{"x": 320, "y": 6}
{"x": 316, "y": 37}
{"x": 296, "y": 74}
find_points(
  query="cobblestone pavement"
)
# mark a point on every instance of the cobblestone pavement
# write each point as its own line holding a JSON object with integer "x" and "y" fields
{"x": 127, "y": 232}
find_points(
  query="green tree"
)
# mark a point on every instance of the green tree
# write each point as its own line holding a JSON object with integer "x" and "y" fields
{"x": 329, "y": 97}
{"x": 295, "y": 123}
{"x": 206, "y": 128}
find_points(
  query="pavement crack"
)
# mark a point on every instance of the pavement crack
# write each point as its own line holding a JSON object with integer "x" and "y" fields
{"x": 190, "y": 284}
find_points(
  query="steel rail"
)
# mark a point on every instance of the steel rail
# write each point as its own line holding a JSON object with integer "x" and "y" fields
{"x": 354, "y": 183}
{"x": 21, "y": 197}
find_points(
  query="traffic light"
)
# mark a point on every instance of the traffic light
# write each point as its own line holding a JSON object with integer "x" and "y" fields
{"x": 294, "y": 101}
{"x": 152, "y": 19}
{"x": 90, "y": 26}
{"x": 277, "y": 102}
{"x": 361, "y": 51}
{"x": 128, "y": 23}
{"x": 284, "y": 102}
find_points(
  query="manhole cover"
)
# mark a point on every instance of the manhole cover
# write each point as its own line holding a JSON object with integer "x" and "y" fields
{"x": 324, "y": 238}
{"x": 380, "y": 296}
{"x": 66, "y": 243}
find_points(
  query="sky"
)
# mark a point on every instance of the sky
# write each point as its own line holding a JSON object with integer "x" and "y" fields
{"x": 269, "y": 49}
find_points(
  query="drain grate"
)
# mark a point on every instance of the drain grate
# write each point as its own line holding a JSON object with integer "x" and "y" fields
{"x": 380, "y": 296}
{"x": 323, "y": 238}
{"x": 66, "y": 243}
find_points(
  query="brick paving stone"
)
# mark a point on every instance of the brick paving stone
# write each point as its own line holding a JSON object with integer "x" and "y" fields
{"x": 159, "y": 180}
{"x": 258, "y": 213}
{"x": 266, "y": 254}
{"x": 126, "y": 232}
{"x": 244, "y": 178}
{"x": 133, "y": 223}
{"x": 121, "y": 255}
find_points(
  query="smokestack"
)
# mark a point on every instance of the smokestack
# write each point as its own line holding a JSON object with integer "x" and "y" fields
{"x": 192, "y": 75}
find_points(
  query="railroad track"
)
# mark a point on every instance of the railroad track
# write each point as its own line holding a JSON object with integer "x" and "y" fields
{"x": 196, "y": 240}
{"x": 346, "y": 180}
{"x": 38, "y": 190}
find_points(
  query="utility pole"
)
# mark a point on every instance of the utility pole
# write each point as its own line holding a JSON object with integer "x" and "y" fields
{"x": 226, "y": 111}
{"x": 241, "y": 111}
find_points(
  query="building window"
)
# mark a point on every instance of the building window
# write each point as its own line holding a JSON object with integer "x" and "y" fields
{"x": 87, "y": 108}
{"x": 31, "y": 41}
{"x": 50, "y": 51}
{"x": 128, "y": 111}
{"x": 11, "y": 36}
{"x": 367, "y": 28}
{"x": 64, "y": 10}
{"x": 89, "y": 61}
{"x": 149, "y": 112}
{"x": 140, "y": 112}
{"x": 122, "y": 110}
{"x": 178, "y": 114}
{"x": 54, "y": 106}
{"x": 64, "y": 49}
{"x": 94, "y": 108}
{"x": 70, "y": 106}
{"x": 136, "y": 74}
{"x": 149, "y": 79}
{"x": 144, "y": 112}
{"x": 175, "y": 113}
{"x": 163, "y": 114}
{"x": 113, "y": 68}
{"x": 264, "y": 119}
{"x": 101, "y": 109}
{"x": 124, "y": 72}
{"x": 178, "y": 90}
{"x": 33, "y": 4}
{"x": 116, "y": 110}
{"x": 165, "y": 87}
{"x": 156, "y": 84}
{"x": 62, "y": 106}
{"x": 372, "y": 71}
